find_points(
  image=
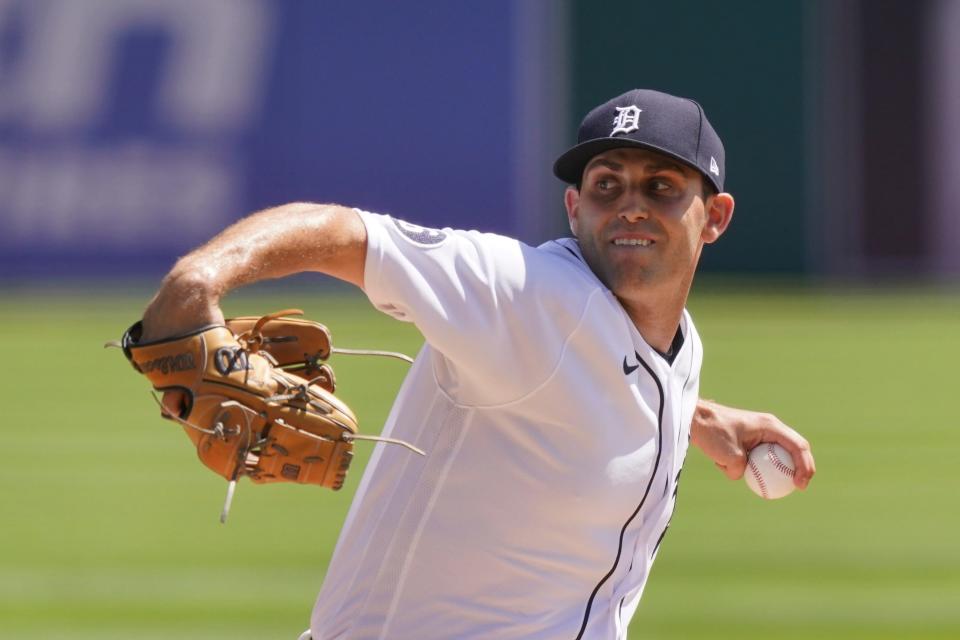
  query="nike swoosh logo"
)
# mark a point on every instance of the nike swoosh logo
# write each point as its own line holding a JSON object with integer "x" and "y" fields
{"x": 627, "y": 369}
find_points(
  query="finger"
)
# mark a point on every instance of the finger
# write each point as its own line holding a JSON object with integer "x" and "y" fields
{"x": 799, "y": 450}
{"x": 734, "y": 469}
{"x": 806, "y": 468}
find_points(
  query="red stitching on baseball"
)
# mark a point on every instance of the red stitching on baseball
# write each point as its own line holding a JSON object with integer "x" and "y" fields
{"x": 759, "y": 479}
{"x": 779, "y": 464}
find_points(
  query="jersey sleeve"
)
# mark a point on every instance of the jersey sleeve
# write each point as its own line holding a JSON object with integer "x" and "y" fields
{"x": 496, "y": 310}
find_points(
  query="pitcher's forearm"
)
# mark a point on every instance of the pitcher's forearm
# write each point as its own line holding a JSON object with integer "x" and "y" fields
{"x": 273, "y": 243}
{"x": 278, "y": 242}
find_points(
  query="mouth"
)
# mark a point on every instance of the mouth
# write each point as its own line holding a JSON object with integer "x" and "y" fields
{"x": 633, "y": 242}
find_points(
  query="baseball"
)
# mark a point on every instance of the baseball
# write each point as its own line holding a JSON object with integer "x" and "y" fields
{"x": 769, "y": 471}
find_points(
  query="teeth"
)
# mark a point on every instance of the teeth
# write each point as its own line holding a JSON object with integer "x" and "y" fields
{"x": 632, "y": 242}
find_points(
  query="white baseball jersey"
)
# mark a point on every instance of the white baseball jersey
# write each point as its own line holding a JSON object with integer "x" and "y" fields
{"x": 554, "y": 433}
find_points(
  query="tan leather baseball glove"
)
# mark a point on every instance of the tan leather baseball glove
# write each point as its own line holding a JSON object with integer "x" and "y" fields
{"x": 260, "y": 399}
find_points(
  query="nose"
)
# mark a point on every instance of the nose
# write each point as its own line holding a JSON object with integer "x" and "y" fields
{"x": 634, "y": 211}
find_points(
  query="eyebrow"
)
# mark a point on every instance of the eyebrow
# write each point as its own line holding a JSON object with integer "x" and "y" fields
{"x": 610, "y": 164}
{"x": 652, "y": 166}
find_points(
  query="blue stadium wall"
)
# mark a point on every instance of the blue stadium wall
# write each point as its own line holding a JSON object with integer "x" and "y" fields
{"x": 130, "y": 131}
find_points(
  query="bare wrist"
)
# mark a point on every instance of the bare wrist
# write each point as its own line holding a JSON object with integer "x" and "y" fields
{"x": 704, "y": 416}
{"x": 185, "y": 301}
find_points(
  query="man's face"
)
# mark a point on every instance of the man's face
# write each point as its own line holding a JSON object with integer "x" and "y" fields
{"x": 641, "y": 220}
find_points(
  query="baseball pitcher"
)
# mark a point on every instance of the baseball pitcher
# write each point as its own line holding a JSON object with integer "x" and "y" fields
{"x": 554, "y": 399}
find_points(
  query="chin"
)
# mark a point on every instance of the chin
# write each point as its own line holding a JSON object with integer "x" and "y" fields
{"x": 631, "y": 286}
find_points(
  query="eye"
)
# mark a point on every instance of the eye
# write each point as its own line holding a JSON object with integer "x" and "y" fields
{"x": 661, "y": 186}
{"x": 606, "y": 185}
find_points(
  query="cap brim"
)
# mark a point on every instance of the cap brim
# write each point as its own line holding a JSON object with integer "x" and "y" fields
{"x": 569, "y": 166}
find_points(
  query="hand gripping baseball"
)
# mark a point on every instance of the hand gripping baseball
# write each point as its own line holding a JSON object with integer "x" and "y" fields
{"x": 258, "y": 398}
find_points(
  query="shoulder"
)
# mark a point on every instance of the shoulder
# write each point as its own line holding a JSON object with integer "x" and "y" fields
{"x": 564, "y": 265}
{"x": 497, "y": 259}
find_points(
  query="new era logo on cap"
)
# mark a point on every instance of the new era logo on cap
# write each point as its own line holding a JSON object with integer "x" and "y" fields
{"x": 673, "y": 126}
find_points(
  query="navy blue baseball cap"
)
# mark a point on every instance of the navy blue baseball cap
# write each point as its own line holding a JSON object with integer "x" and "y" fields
{"x": 675, "y": 127}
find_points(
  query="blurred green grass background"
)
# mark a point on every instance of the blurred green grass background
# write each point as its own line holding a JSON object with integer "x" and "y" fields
{"x": 110, "y": 525}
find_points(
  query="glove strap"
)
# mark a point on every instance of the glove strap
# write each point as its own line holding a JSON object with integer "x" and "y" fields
{"x": 350, "y": 437}
{"x": 254, "y": 339}
{"x": 372, "y": 352}
{"x": 403, "y": 443}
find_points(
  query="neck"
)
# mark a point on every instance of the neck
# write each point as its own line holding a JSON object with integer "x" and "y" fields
{"x": 657, "y": 314}
{"x": 657, "y": 325}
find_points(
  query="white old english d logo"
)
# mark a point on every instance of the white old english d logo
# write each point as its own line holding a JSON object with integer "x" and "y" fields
{"x": 626, "y": 120}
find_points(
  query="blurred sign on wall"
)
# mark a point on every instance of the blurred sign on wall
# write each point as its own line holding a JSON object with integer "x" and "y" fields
{"x": 122, "y": 123}
{"x": 132, "y": 130}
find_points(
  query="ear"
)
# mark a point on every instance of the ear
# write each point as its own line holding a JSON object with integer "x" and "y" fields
{"x": 571, "y": 199}
{"x": 719, "y": 212}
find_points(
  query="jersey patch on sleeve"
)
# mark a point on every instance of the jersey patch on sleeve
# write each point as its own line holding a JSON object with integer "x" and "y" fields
{"x": 420, "y": 235}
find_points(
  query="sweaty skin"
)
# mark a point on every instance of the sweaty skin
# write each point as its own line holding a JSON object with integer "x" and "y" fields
{"x": 331, "y": 239}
